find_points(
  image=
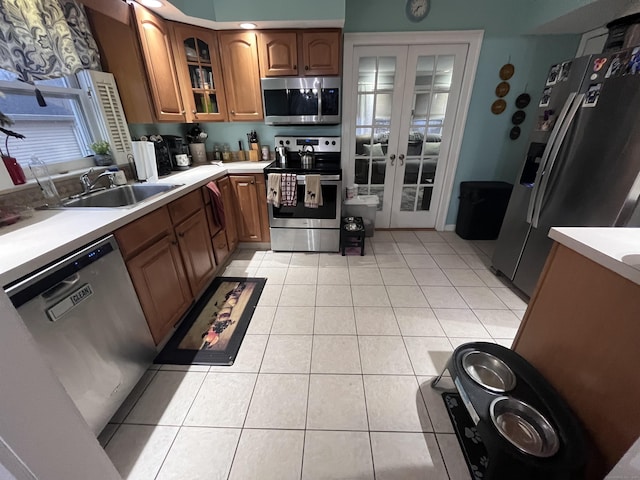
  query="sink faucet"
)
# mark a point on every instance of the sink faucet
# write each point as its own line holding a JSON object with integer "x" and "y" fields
{"x": 88, "y": 185}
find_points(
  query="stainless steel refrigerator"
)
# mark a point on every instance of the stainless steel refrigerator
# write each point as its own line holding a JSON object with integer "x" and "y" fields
{"x": 583, "y": 162}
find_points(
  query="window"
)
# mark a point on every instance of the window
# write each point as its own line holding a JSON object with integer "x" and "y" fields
{"x": 58, "y": 134}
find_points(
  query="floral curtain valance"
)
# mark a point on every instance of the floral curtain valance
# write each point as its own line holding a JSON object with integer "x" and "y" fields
{"x": 44, "y": 39}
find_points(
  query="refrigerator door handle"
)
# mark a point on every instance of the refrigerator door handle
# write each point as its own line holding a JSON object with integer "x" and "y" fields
{"x": 546, "y": 154}
{"x": 554, "y": 156}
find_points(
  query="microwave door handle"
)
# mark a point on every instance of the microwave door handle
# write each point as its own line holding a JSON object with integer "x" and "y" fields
{"x": 546, "y": 153}
{"x": 553, "y": 157}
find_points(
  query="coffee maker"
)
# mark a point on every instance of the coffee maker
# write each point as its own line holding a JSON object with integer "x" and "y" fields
{"x": 163, "y": 157}
{"x": 178, "y": 152}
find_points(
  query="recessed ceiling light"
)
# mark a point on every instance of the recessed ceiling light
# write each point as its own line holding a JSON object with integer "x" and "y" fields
{"x": 151, "y": 3}
{"x": 248, "y": 26}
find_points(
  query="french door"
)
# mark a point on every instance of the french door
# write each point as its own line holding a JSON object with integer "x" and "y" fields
{"x": 405, "y": 100}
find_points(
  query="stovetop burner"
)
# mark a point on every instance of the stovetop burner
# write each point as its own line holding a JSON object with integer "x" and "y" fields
{"x": 318, "y": 166}
{"x": 326, "y": 156}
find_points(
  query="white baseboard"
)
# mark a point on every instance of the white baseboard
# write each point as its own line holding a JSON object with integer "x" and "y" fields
{"x": 449, "y": 227}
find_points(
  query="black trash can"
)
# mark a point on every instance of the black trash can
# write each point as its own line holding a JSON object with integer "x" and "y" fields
{"x": 482, "y": 209}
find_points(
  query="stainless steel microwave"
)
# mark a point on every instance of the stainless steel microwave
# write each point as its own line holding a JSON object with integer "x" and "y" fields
{"x": 301, "y": 100}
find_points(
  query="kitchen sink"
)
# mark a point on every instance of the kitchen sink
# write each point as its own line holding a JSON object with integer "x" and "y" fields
{"x": 124, "y": 196}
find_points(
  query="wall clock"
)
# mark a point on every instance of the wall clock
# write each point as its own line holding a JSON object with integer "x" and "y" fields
{"x": 417, "y": 10}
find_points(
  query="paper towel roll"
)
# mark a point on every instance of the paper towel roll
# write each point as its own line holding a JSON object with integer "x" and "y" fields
{"x": 144, "y": 156}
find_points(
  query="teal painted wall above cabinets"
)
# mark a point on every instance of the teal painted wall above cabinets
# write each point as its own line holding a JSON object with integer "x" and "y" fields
{"x": 495, "y": 17}
{"x": 252, "y": 10}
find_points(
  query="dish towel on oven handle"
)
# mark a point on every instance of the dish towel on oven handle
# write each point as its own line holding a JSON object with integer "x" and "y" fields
{"x": 217, "y": 204}
{"x": 312, "y": 191}
{"x": 289, "y": 190}
{"x": 274, "y": 189}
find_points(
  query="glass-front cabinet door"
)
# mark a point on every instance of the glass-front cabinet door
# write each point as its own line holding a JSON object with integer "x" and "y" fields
{"x": 405, "y": 102}
{"x": 200, "y": 73}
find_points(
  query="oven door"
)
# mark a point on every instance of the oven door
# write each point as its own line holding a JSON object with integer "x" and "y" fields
{"x": 326, "y": 215}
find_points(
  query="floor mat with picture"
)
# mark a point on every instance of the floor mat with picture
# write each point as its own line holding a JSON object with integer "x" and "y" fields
{"x": 213, "y": 330}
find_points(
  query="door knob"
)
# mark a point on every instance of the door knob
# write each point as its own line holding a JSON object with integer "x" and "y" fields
{"x": 393, "y": 159}
{"x": 401, "y": 158}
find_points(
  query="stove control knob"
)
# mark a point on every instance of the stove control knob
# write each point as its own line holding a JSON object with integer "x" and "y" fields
{"x": 326, "y": 142}
{"x": 333, "y": 143}
{"x": 281, "y": 142}
{"x": 287, "y": 142}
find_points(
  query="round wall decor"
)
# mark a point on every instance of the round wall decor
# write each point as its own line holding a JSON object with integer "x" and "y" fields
{"x": 507, "y": 71}
{"x": 498, "y": 106}
{"x": 502, "y": 89}
{"x": 518, "y": 117}
{"x": 523, "y": 100}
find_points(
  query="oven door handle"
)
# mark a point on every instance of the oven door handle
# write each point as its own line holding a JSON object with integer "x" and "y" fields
{"x": 323, "y": 178}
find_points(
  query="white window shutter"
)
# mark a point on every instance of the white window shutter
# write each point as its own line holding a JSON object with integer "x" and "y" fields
{"x": 112, "y": 124}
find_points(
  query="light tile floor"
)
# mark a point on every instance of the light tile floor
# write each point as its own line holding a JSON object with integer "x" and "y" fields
{"x": 332, "y": 379}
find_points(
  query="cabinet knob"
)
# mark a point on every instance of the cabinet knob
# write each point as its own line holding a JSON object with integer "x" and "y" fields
{"x": 306, "y": 67}
{"x": 295, "y": 67}
{"x": 174, "y": 242}
{"x": 195, "y": 112}
{"x": 233, "y": 112}
{"x": 183, "y": 112}
{"x": 181, "y": 234}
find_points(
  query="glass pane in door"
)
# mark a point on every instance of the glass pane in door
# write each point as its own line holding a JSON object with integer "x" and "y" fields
{"x": 430, "y": 99}
{"x": 376, "y": 79}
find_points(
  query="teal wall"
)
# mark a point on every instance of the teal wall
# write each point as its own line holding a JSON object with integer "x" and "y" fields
{"x": 230, "y": 133}
{"x": 487, "y": 153}
{"x": 262, "y": 10}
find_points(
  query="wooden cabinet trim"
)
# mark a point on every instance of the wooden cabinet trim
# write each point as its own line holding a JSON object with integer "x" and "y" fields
{"x": 231, "y": 231}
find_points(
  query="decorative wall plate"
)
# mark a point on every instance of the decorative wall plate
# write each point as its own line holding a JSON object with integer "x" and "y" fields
{"x": 498, "y": 106}
{"x": 518, "y": 117}
{"x": 507, "y": 71}
{"x": 523, "y": 100}
{"x": 502, "y": 89}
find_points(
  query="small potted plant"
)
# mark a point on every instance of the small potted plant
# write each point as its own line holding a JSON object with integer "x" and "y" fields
{"x": 102, "y": 152}
{"x": 13, "y": 167}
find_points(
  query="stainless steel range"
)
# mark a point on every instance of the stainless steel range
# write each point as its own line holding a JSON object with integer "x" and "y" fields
{"x": 299, "y": 228}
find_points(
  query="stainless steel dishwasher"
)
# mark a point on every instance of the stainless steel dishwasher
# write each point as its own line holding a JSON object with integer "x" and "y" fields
{"x": 85, "y": 317}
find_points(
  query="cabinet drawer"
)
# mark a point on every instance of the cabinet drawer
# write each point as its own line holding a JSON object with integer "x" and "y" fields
{"x": 220, "y": 247}
{"x": 185, "y": 207}
{"x": 145, "y": 231}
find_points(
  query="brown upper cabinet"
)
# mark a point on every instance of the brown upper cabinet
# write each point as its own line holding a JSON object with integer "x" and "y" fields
{"x": 120, "y": 54}
{"x": 241, "y": 75}
{"x": 199, "y": 72}
{"x": 299, "y": 52}
{"x": 154, "y": 37}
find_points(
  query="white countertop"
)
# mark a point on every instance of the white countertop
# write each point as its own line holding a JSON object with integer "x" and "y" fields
{"x": 617, "y": 249}
{"x": 50, "y": 234}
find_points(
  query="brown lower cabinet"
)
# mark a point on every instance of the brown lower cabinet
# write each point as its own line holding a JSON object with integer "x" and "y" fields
{"x": 231, "y": 231}
{"x": 173, "y": 252}
{"x": 169, "y": 255}
{"x": 251, "y": 207}
{"x": 581, "y": 332}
